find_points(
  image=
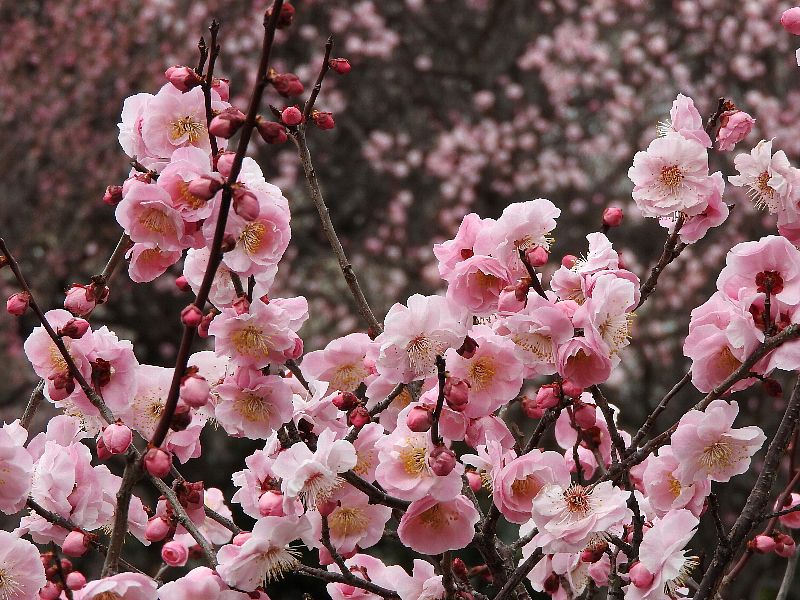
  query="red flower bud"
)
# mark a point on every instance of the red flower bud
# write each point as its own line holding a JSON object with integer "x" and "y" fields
{"x": 536, "y": 256}
{"x": 419, "y": 419}
{"x": 271, "y": 132}
{"x": 291, "y": 115}
{"x": 75, "y": 544}
{"x": 762, "y": 544}
{"x": 585, "y": 414}
{"x": 442, "y": 461}
{"x": 339, "y": 65}
{"x": 182, "y": 284}
{"x": 456, "y": 393}
{"x": 183, "y": 78}
{"x": 76, "y": 580}
{"x": 772, "y": 387}
{"x": 323, "y": 120}
{"x": 205, "y": 187}
{"x": 612, "y": 216}
{"x": 191, "y": 316}
{"x": 156, "y": 529}
{"x": 113, "y": 195}
{"x": 287, "y": 85}
{"x": 226, "y": 123}
{"x": 791, "y": 20}
{"x": 17, "y": 304}
{"x": 75, "y": 328}
{"x": 468, "y": 348}
{"x": 157, "y": 462}
{"x": 346, "y": 401}
{"x": 570, "y": 389}
{"x": 285, "y": 16}
{"x": 245, "y": 203}
{"x": 224, "y": 163}
{"x": 569, "y": 261}
{"x": 271, "y": 504}
{"x": 359, "y": 416}
{"x": 117, "y": 437}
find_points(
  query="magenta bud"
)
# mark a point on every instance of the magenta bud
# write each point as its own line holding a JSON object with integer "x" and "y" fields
{"x": 456, "y": 393}
{"x": 103, "y": 453}
{"x": 75, "y": 328}
{"x": 183, "y": 78}
{"x": 80, "y": 300}
{"x": 585, "y": 414}
{"x": 76, "y": 580}
{"x": 339, "y": 65}
{"x": 291, "y": 115}
{"x": 182, "y": 284}
{"x": 791, "y": 20}
{"x": 241, "y": 305}
{"x": 227, "y": 122}
{"x": 228, "y": 242}
{"x": 191, "y": 316}
{"x": 762, "y": 544}
{"x": 272, "y": 132}
{"x": 18, "y": 303}
{"x": 532, "y": 408}
{"x": 326, "y": 507}
{"x": 569, "y": 261}
{"x": 205, "y": 187}
{"x": 612, "y": 216}
{"x": 113, "y": 195}
{"x": 359, "y": 416}
{"x": 536, "y": 256}
{"x": 772, "y": 387}
{"x": 49, "y": 592}
{"x": 245, "y": 203}
{"x": 468, "y": 348}
{"x": 571, "y": 390}
{"x": 593, "y": 553}
{"x": 270, "y": 504}
{"x": 323, "y": 120}
{"x": 117, "y": 437}
{"x": 441, "y": 461}
{"x": 157, "y": 462}
{"x": 174, "y": 554}
{"x": 285, "y": 16}
{"x": 475, "y": 481}
{"x": 346, "y": 401}
{"x": 224, "y": 162}
{"x": 156, "y": 529}
{"x": 547, "y": 396}
{"x": 640, "y": 577}
{"x": 287, "y": 85}
{"x": 75, "y": 544}
{"x": 295, "y": 351}
{"x": 419, "y": 419}
{"x": 195, "y": 391}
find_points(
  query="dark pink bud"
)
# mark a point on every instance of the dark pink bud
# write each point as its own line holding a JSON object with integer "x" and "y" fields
{"x": 772, "y": 387}
{"x": 291, "y": 115}
{"x": 570, "y": 389}
{"x": 640, "y": 577}
{"x": 224, "y": 162}
{"x": 157, "y": 462}
{"x": 456, "y": 393}
{"x": 103, "y": 453}
{"x": 205, "y": 187}
{"x": 509, "y": 301}
{"x": 195, "y": 391}
{"x": 359, "y": 416}
{"x": 202, "y": 329}
{"x": 241, "y": 305}
{"x": 227, "y": 122}
{"x": 75, "y": 544}
{"x": 475, "y": 481}
{"x": 271, "y": 504}
{"x": 460, "y": 569}
{"x": 594, "y": 553}
{"x": 181, "y": 418}
{"x": 75, "y": 328}
{"x": 285, "y": 16}
{"x": 113, "y": 195}
{"x": 183, "y": 78}
{"x": 569, "y": 261}
{"x": 62, "y": 381}
{"x": 80, "y": 300}
{"x": 182, "y": 284}
{"x": 326, "y": 507}
{"x": 49, "y": 592}
{"x": 548, "y": 395}
{"x": 762, "y": 544}
{"x": 272, "y": 132}
{"x": 156, "y": 529}
{"x": 419, "y": 419}
{"x": 17, "y": 304}
{"x": 791, "y": 20}
{"x": 531, "y": 408}
{"x": 174, "y": 554}
{"x": 468, "y": 348}
{"x": 222, "y": 87}
{"x": 117, "y": 437}
{"x": 612, "y": 216}
{"x": 245, "y": 203}
{"x": 536, "y": 256}
{"x": 76, "y": 580}
{"x": 287, "y": 85}
{"x": 323, "y": 120}
{"x": 339, "y": 65}
{"x": 191, "y": 316}
{"x": 228, "y": 242}
{"x": 295, "y": 351}
{"x": 784, "y": 546}
{"x": 346, "y": 401}
{"x": 442, "y": 461}
{"x": 585, "y": 414}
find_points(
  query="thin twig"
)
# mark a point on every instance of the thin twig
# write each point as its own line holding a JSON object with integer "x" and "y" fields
{"x": 130, "y": 477}
{"x": 370, "y": 490}
{"x": 326, "y": 541}
{"x": 318, "y": 85}
{"x": 616, "y": 438}
{"x": 669, "y": 254}
{"x": 34, "y": 402}
{"x": 651, "y": 418}
{"x": 332, "y": 577}
{"x": 519, "y": 574}
{"x": 117, "y": 257}
{"x": 437, "y": 412}
{"x": 788, "y": 577}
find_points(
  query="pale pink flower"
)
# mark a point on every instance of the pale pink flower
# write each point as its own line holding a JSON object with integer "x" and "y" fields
{"x": 706, "y": 445}
{"x": 570, "y": 517}
{"x": 516, "y": 485}
{"x": 476, "y": 283}
{"x": 583, "y": 361}
{"x": 734, "y": 126}
{"x": 569, "y": 569}
{"x": 451, "y": 252}
{"x": 714, "y": 215}
{"x": 665, "y": 492}
{"x": 424, "y": 584}
{"x": 430, "y": 526}
{"x": 148, "y": 261}
{"x": 126, "y": 586}
{"x": 21, "y": 568}
{"x": 685, "y": 120}
{"x": 366, "y": 450}
{"x": 605, "y": 316}
{"x": 341, "y": 363}
{"x": 253, "y": 405}
{"x": 254, "y": 481}
{"x": 200, "y": 582}
{"x": 264, "y": 556}
{"x": 671, "y": 177}
{"x": 662, "y": 554}
{"x": 314, "y": 476}
{"x": 369, "y": 568}
{"x": 187, "y": 164}
{"x": 171, "y": 120}
{"x": 130, "y": 128}
{"x": 773, "y": 256}
{"x": 16, "y": 465}
{"x": 773, "y": 183}
{"x": 415, "y": 335}
{"x": 354, "y": 523}
{"x": 147, "y": 215}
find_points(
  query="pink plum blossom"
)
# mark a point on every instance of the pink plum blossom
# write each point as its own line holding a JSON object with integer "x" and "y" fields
{"x": 369, "y": 568}
{"x": 253, "y": 405}
{"x": 734, "y": 127}
{"x": 424, "y": 584}
{"x": 431, "y": 526}
{"x": 148, "y": 261}
{"x": 665, "y": 492}
{"x": 452, "y": 252}
{"x": 686, "y": 120}
{"x": 147, "y": 215}
{"x": 16, "y": 464}
{"x": 354, "y": 523}
{"x": 771, "y": 255}
{"x": 22, "y": 569}
{"x": 714, "y": 215}
{"x": 583, "y": 361}
{"x": 341, "y": 363}
{"x": 476, "y": 283}
{"x": 520, "y": 480}
{"x": 128, "y": 586}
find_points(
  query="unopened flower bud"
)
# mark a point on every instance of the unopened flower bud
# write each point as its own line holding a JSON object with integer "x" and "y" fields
{"x": 475, "y": 481}
{"x": 359, "y": 416}
{"x": 291, "y": 115}
{"x": 323, "y": 120}
{"x": 612, "y": 216}
{"x": 468, "y": 348}
{"x": 531, "y": 408}
{"x": 182, "y": 284}
{"x": 585, "y": 414}
{"x": 80, "y": 300}
{"x": 75, "y": 544}
{"x": 326, "y": 507}
{"x": 287, "y": 85}
{"x": 245, "y": 203}
{"x": 548, "y": 395}
{"x": 76, "y": 580}
{"x": 66, "y": 564}
{"x": 157, "y": 462}
{"x": 285, "y": 16}
{"x": 295, "y": 351}
{"x": 270, "y": 504}
{"x": 113, "y": 195}
{"x": 772, "y": 387}
{"x": 419, "y": 419}
{"x": 75, "y": 328}
{"x": 536, "y": 256}
{"x": 784, "y": 546}
{"x": 339, "y": 65}
{"x": 183, "y": 78}
{"x": 18, "y": 303}
{"x": 509, "y": 301}
{"x": 174, "y": 554}
{"x": 103, "y": 453}
{"x": 762, "y": 544}
{"x": 640, "y": 576}
{"x": 181, "y": 418}
{"x": 346, "y": 401}
{"x": 61, "y": 380}
{"x": 117, "y": 437}
{"x": 460, "y": 569}
{"x": 49, "y": 592}
{"x": 571, "y": 390}
{"x": 272, "y": 132}
{"x": 241, "y": 305}
{"x": 222, "y": 87}
{"x": 791, "y": 20}
{"x": 224, "y": 162}
{"x": 442, "y": 461}
{"x": 156, "y": 529}
{"x": 227, "y": 122}
{"x": 202, "y": 329}
{"x": 569, "y": 261}
{"x": 734, "y": 127}
{"x": 191, "y": 316}
{"x": 456, "y": 393}
{"x": 205, "y": 187}
{"x": 195, "y": 391}
{"x": 228, "y": 243}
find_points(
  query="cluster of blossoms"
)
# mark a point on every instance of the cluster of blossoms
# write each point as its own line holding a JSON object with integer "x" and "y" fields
{"x": 404, "y": 425}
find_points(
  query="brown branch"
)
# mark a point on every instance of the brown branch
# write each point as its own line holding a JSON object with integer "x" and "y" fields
{"x": 436, "y": 439}
{"x": 332, "y": 577}
{"x": 519, "y": 574}
{"x": 669, "y": 254}
{"x": 130, "y": 477}
{"x": 318, "y": 85}
{"x": 370, "y": 490}
{"x": 35, "y": 401}
{"x": 651, "y": 418}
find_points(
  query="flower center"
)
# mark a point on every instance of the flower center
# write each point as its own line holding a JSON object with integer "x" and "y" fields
{"x": 347, "y": 377}
{"x": 275, "y": 561}
{"x": 577, "y": 500}
{"x": 541, "y": 346}
{"x": 481, "y": 373}
{"x": 436, "y": 517}
{"x": 485, "y": 280}
{"x": 187, "y": 125}
{"x": 674, "y": 486}
{"x": 156, "y": 220}
{"x": 422, "y": 352}
{"x": 252, "y": 236}
{"x": 9, "y": 588}
{"x": 525, "y": 487}
{"x": 413, "y": 459}
{"x": 348, "y": 521}
{"x": 616, "y": 331}
{"x": 671, "y": 177}
{"x": 253, "y": 408}
{"x": 769, "y": 282}
{"x": 318, "y": 488}
{"x": 251, "y": 341}
{"x": 718, "y": 454}
{"x": 188, "y": 199}
{"x": 727, "y": 361}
